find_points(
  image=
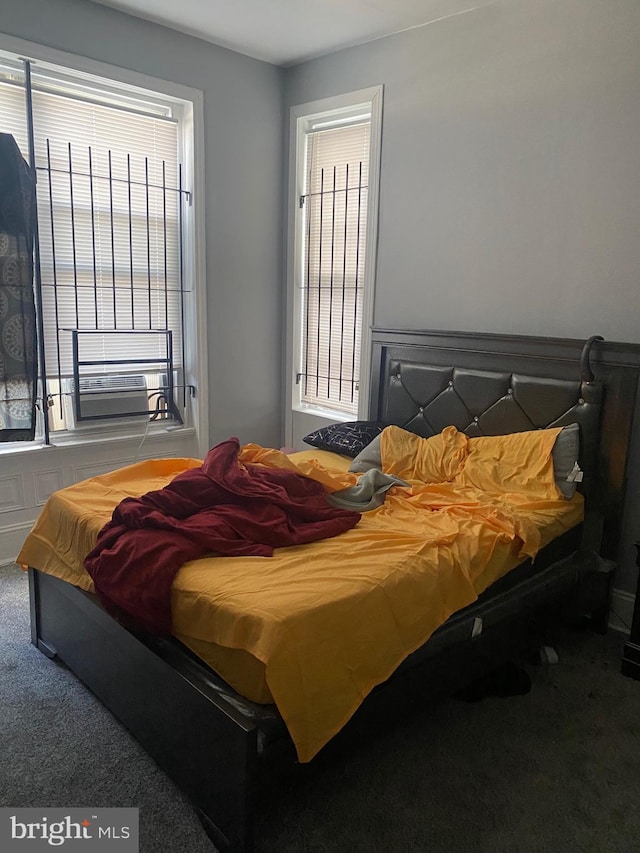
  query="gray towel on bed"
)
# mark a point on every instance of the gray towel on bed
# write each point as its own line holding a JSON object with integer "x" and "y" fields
{"x": 368, "y": 493}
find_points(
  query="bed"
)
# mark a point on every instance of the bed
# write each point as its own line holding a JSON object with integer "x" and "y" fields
{"x": 424, "y": 383}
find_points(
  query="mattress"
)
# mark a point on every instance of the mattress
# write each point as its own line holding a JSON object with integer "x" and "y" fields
{"x": 315, "y": 627}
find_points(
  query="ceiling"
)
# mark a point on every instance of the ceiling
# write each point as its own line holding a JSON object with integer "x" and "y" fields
{"x": 285, "y": 32}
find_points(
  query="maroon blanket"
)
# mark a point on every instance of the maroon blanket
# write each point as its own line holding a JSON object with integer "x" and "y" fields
{"x": 221, "y": 508}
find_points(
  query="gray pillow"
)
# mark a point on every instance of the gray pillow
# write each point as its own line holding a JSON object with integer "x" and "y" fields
{"x": 565, "y": 458}
{"x": 368, "y": 458}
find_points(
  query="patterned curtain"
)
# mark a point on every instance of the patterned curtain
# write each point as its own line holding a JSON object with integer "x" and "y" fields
{"x": 18, "y": 353}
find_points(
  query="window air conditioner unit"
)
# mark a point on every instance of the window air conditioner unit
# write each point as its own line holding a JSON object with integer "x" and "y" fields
{"x": 106, "y": 398}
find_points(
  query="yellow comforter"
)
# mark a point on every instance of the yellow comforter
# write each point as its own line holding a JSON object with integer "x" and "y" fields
{"x": 330, "y": 620}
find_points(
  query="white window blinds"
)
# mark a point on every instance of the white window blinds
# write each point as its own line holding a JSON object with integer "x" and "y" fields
{"x": 108, "y": 216}
{"x": 13, "y": 109}
{"x": 334, "y": 244}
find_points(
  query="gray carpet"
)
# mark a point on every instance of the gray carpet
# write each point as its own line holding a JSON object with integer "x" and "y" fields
{"x": 552, "y": 771}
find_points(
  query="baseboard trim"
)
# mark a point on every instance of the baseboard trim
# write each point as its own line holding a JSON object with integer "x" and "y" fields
{"x": 11, "y": 538}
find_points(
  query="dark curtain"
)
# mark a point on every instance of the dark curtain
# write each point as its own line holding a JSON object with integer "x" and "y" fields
{"x": 18, "y": 347}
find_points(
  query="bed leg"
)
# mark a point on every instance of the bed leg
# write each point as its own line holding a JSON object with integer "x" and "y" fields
{"x": 222, "y": 842}
{"x": 603, "y": 581}
{"x": 234, "y": 802}
{"x": 34, "y": 612}
{"x": 34, "y": 606}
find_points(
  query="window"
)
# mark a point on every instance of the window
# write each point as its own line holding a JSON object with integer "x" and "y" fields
{"x": 114, "y": 293}
{"x": 336, "y": 196}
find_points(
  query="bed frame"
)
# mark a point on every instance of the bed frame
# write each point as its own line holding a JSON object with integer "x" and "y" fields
{"x": 217, "y": 746}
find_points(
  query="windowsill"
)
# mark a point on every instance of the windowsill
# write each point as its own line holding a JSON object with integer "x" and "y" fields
{"x": 327, "y": 414}
{"x": 68, "y": 439}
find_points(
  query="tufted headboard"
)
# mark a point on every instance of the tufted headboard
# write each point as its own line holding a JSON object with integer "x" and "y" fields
{"x": 487, "y": 384}
{"x": 424, "y": 399}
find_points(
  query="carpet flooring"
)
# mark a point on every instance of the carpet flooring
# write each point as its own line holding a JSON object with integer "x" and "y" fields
{"x": 555, "y": 770}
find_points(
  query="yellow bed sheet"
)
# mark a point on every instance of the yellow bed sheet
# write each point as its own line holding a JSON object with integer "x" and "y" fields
{"x": 317, "y": 626}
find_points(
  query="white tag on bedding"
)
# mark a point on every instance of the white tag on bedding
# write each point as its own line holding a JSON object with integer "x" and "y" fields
{"x": 476, "y": 630}
{"x": 575, "y": 475}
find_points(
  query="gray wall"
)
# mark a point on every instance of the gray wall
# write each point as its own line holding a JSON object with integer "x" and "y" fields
{"x": 243, "y": 140}
{"x": 510, "y": 185}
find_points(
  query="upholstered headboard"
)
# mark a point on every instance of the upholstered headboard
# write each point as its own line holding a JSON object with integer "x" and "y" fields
{"x": 495, "y": 384}
{"x": 424, "y": 399}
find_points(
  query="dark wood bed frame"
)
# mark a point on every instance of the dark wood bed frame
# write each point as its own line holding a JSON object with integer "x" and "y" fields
{"x": 217, "y": 746}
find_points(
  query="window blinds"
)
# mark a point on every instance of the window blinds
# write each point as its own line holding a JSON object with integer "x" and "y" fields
{"x": 109, "y": 228}
{"x": 13, "y": 109}
{"x": 335, "y": 221}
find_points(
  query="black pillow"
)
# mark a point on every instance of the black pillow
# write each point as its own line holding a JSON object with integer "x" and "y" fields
{"x": 347, "y": 438}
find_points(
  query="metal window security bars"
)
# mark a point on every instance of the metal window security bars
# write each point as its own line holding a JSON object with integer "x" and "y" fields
{"x": 108, "y": 283}
{"x": 335, "y": 214}
{"x": 122, "y": 314}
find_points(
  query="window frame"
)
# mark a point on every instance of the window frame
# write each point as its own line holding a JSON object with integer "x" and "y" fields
{"x": 194, "y": 270}
{"x": 301, "y": 116}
